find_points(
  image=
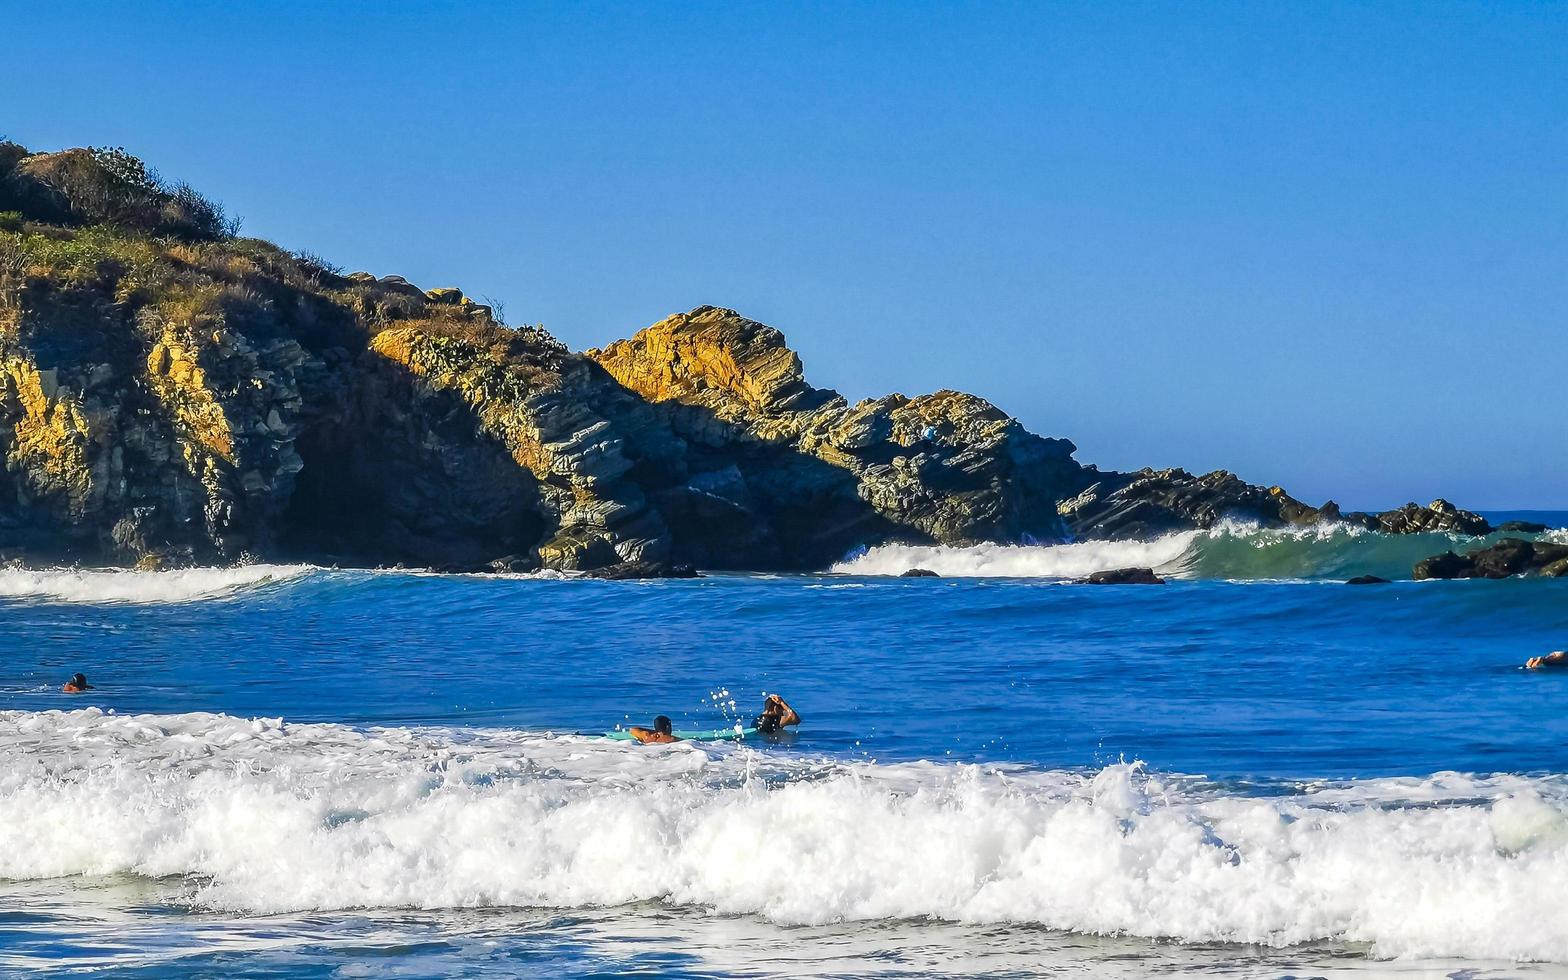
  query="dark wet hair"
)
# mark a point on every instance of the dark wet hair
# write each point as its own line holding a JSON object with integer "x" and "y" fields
{"x": 661, "y": 725}
{"x": 79, "y": 680}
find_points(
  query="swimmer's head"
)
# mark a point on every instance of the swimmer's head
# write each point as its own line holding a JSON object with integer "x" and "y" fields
{"x": 78, "y": 680}
{"x": 661, "y": 725}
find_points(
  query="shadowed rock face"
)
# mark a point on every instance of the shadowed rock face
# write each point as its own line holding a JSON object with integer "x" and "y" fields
{"x": 1505, "y": 558}
{"x": 171, "y": 393}
{"x": 946, "y": 467}
{"x": 1153, "y": 502}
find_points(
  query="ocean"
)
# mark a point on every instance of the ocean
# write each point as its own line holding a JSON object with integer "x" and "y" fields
{"x": 1254, "y": 770}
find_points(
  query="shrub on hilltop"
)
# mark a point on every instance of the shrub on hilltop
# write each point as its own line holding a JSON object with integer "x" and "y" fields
{"x": 105, "y": 185}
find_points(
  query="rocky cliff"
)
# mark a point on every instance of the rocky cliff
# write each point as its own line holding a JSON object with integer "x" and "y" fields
{"x": 170, "y": 392}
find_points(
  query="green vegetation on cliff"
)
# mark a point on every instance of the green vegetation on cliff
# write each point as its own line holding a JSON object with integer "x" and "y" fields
{"x": 171, "y": 391}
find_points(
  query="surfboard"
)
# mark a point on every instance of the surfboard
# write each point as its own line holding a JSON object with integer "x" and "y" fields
{"x": 705, "y": 735}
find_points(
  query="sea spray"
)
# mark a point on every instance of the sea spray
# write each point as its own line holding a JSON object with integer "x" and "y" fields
{"x": 266, "y": 816}
{"x": 124, "y": 585}
{"x": 1231, "y": 550}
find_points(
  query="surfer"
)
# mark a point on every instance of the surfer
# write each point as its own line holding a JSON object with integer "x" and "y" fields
{"x": 76, "y": 685}
{"x": 776, "y": 713}
{"x": 660, "y": 732}
{"x": 1557, "y": 658}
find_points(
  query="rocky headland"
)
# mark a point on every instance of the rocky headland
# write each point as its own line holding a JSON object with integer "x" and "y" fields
{"x": 173, "y": 393}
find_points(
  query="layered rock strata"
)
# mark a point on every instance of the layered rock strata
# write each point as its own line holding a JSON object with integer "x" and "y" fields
{"x": 172, "y": 393}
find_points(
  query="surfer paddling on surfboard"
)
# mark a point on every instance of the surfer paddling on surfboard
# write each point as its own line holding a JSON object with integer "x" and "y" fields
{"x": 776, "y": 713}
{"x": 660, "y": 732}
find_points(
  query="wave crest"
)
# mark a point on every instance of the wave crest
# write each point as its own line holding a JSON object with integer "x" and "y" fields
{"x": 123, "y": 585}
{"x": 1227, "y": 551}
{"x": 264, "y": 816}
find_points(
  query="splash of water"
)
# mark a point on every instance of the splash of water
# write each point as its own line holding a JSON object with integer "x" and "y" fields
{"x": 265, "y": 816}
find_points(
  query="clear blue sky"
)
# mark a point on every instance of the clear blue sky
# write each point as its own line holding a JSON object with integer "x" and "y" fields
{"x": 1323, "y": 245}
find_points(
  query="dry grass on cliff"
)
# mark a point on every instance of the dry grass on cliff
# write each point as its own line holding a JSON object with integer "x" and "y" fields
{"x": 97, "y": 226}
{"x": 527, "y": 348}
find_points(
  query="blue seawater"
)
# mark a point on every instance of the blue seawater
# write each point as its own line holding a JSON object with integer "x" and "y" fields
{"x": 1255, "y": 769}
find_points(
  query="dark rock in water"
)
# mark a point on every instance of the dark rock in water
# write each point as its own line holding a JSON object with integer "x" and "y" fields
{"x": 1522, "y": 527}
{"x": 642, "y": 569}
{"x": 918, "y": 573}
{"x": 1446, "y": 565}
{"x": 1122, "y": 576}
{"x": 1509, "y": 556}
{"x": 516, "y": 564}
{"x": 1506, "y": 558}
{"x": 1367, "y": 580}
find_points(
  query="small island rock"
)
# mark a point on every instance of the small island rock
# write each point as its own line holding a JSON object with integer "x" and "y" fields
{"x": 1122, "y": 576}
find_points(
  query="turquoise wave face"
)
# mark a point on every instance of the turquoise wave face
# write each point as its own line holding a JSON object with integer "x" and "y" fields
{"x": 1231, "y": 551}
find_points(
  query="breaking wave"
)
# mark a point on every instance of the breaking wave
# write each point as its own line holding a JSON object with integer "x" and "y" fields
{"x": 124, "y": 585}
{"x": 264, "y": 816}
{"x": 1228, "y": 551}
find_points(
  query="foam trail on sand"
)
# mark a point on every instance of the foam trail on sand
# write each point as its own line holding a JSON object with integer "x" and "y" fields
{"x": 264, "y": 816}
{"x": 122, "y": 585}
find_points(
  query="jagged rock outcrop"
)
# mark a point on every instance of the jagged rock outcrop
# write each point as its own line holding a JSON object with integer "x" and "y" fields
{"x": 1152, "y": 502}
{"x": 945, "y": 467}
{"x": 1502, "y": 559}
{"x": 1439, "y": 515}
{"x": 170, "y": 393}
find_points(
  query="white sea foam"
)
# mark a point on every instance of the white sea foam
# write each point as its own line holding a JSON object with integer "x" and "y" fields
{"x": 1230, "y": 550}
{"x": 117, "y": 585}
{"x": 1020, "y": 561}
{"x": 265, "y": 816}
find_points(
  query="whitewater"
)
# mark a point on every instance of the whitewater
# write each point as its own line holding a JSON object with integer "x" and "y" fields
{"x": 1257, "y": 770}
{"x": 264, "y": 816}
{"x": 1231, "y": 550}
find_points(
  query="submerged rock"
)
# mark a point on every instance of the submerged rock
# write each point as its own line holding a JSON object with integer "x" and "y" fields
{"x": 918, "y": 573}
{"x": 1367, "y": 580}
{"x": 1122, "y": 576}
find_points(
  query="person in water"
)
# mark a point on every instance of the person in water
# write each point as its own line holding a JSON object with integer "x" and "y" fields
{"x": 1557, "y": 658}
{"x": 660, "y": 732}
{"x": 776, "y": 713}
{"x": 76, "y": 685}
